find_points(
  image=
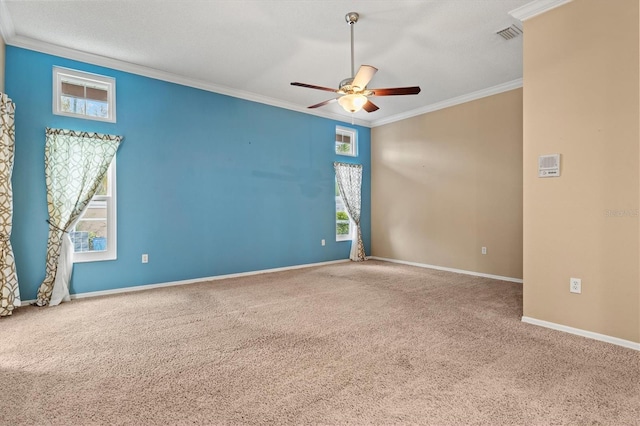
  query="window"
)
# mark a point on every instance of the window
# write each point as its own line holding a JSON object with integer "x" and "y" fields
{"x": 94, "y": 236}
{"x": 346, "y": 141}
{"x": 84, "y": 95}
{"x": 344, "y": 224}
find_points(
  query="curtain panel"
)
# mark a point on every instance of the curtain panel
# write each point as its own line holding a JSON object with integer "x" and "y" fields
{"x": 349, "y": 178}
{"x": 75, "y": 164}
{"x": 9, "y": 291}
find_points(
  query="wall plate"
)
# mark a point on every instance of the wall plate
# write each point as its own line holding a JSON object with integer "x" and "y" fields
{"x": 549, "y": 165}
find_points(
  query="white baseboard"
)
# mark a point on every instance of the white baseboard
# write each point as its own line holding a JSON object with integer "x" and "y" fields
{"x": 192, "y": 281}
{"x": 457, "y": 271}
{"x": 584, "y": 333}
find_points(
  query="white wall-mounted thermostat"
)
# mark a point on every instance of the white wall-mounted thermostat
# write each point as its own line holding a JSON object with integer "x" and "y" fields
{"x": 549, "y": 165}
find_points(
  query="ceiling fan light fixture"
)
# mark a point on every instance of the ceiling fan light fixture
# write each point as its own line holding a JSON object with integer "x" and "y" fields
{"x": 352, "y": 103}
{"x": 354, "y": 88}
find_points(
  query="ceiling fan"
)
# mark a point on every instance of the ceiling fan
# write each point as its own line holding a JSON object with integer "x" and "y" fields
{"x": 353, "y": 90}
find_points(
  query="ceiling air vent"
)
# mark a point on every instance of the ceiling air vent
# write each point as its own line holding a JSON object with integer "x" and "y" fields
{"x": 510, "y": 32}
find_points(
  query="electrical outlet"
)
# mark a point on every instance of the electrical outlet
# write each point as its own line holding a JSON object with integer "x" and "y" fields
{"x": 484, "y": 250}
{"x": 575, "y": 285}
{"x": 145, "y": 258}
{"x": 322, "y": 242}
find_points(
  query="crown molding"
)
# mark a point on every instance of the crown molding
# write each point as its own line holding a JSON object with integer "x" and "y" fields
{"x": 536, "y": 8}
{"x": 490, "y": 91}
{"x": 7, "y": 30}
{"x": 91, "y": 58}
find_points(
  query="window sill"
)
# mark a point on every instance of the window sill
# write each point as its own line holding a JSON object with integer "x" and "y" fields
{"x": 93, "y": 257}
{"x": 338, "y": 239}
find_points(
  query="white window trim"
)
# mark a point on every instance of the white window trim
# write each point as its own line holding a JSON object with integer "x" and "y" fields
{"x": 111, "y": 253}
{"x": 59, "y": 73}
{"x": 354, "y": 141}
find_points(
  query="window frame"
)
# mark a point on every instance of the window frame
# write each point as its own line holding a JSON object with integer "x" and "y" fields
{"x": 353, "y": 133}
{"x": 351, "y": 235}
{"x": 111, "y": 253}
{"x": 60, "y": 73}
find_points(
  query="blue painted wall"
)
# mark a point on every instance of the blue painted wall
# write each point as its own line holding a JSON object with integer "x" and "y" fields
{"x": 207, "y": 184}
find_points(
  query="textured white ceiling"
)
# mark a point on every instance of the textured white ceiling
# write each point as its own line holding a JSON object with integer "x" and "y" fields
{"x": 257, "y": 47}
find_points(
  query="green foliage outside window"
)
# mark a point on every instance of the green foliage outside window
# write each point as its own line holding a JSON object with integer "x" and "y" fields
{"x": 343, "y": 148}
{"x": 342, "y": 228}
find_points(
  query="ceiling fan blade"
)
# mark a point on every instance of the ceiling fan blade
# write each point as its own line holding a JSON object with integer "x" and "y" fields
{"x": 311, "y": 86}
{"x": 323, "y": 103}
{"x": 414, "y": 90}
{"x": 370, "y": 107}
{"x": 364, "y": 76}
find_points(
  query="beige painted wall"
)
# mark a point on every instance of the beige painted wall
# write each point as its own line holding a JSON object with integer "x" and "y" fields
{"x": 448, "y": 182}
{"x": 581, "y": 96}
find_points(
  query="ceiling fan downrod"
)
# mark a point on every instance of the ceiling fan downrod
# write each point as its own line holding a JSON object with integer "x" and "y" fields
{"x": 352, "y": 18}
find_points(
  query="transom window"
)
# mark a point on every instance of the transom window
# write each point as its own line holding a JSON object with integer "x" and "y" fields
{"x": 94, "y": 236}
{"x": 84, "y": 95}
{"x": 346, "y": 141}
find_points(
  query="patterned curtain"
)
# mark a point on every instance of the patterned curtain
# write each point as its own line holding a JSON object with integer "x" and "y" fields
{"x": 349, "y": 177}
{"x": 9, "y": 291}
{"x": 75, "y": 164}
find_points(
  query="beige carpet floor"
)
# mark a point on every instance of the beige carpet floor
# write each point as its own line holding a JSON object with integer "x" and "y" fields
{"x": 369, "y": 343}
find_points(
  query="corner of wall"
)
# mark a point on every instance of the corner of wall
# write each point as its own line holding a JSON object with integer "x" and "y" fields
{"x": 581, "y": 96}
{"x": 449, "y": 182}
